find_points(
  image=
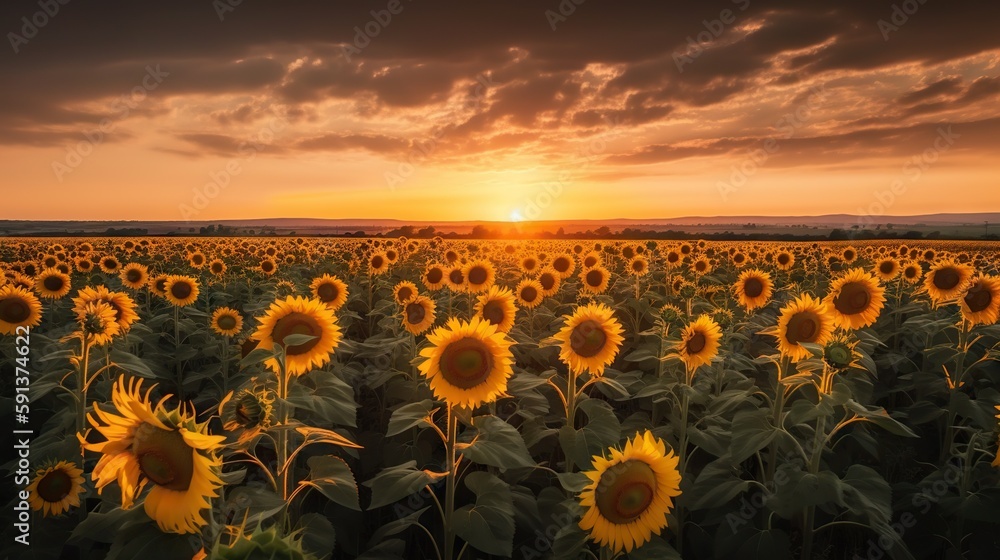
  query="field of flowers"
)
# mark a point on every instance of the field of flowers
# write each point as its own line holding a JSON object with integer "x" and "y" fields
{"x": 291, "y": 398}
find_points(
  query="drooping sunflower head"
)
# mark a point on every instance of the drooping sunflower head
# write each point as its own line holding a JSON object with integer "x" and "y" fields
{"x": 479, "y": 275}
{"x": 699, "y": 342}
{"x": 947, "y": 280}
{"x": 855, "y": 299}
{"x": 806, "y": 319}
{"x": 529, "y": 293}
{"x": 630, "y": 493}
{"x": 18, "y": 308}
{"x": 97, "y": 321}
{"x": 418, "y": 314}
{"x": 467, "y": 363}
{"x": 168, "y": 449}
{"x": 434, "y": 277}
{"x": 980, "y": 303}
{"x": 52, "y": 283}
{"x": 134, "y": 276}
{"x": 594, "y": 280}
{"x": 298, "y": 315}
{"x": 591, "y": 338}
{"x": 753, "y": 289}
{"x": 330, "y": 290}
{"x": 227, "y": 321}
{"x": 262, "y": 543}
{"x": 497, "y": 306}
{"x": 404, "y": 291}
{"x": 839, "y": 353}
{"x": 181, "y": 290}
{"x": 56, "y": 488}
{"x": 248, "y": 411}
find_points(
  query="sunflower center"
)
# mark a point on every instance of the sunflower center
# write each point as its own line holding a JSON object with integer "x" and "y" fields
{"x": 783, "y": 259}
{"x": 493, "y": 312}
{"x": 625, "y": 491}
{"x": 54, "y": 486}
{"x": 588, "y": 338}
{"x": 594, "y": 278}
{"x": 53, "y": 283}
{"x": 466, "y": 363}
{"x": 297, "y": 323}
{"x": 163, "y": 457}
{"x": 638, "y": 266}
{"x": 477, "y": 275}
{"x": 456, "y": 276}
{"x": 327, "y": 292}
{"x": 404, "y": 293}
{"x": 227, "y": 322}
{"x": 590, "y": 261}
{"x": 529, "y": 293}
{"x": 248, "y": 411}
{"x": 377, "y": 262}
{"x": 561, "y": 264}
{"x": 910, "y": 272}
{"x": 803, "y": 327}
{"x": 853, "y": 299}
{"x": 161, "y": 284}
{"x": 547, "y": 281}
{"x": 267, "y": 266}
{"x": 886, "y": 267}
{"x": 216, "y": 268}
{"x": 133, "y": 275}
{"x": 946, "y": 279}
{"x": 696, "y": 343}
{"x": 978, "y": 298}
{"x": 434, "y": 275}
{"x": 14, "y": 310}
{"x": 838, "y": 355}
{"x": 180, "y": 290}
{"x": 415, "y": 313}
{"x": 753, "y": 287}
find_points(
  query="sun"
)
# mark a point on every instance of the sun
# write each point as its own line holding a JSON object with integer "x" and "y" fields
{"x": 515, "y": 216}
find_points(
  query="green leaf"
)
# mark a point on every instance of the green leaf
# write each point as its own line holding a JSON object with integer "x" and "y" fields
{"x": 131, "y": 363}
{"x": 256, "y": 356}
{"x": 655, "y": 549}
{"x": 333, "y": 477}
{"x": 716, "y": 485}
{"x": 254, "y": 503}
{"x": 409, "y": 416}
{"x": 752, "y": 431}
{"x": 318, "y": 535}
{"x": 489, "y": 524}
{"x": 297, "y": 340}
{"x": 498, "y": 445}
{"x": 396, "y": 483}
{"x": 602, "y": 431}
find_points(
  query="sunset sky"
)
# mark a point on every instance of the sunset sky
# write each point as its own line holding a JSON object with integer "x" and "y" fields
{"x": 498, "y": 110}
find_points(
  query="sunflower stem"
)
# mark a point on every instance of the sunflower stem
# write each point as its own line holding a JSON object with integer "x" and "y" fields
{"x": 779, "y": 403}
{"x": 571, "y": 399}
{"x": 282, "y": 443}
{"x": 81, "y": 419}
{"x": 810, "y": 516}
{"x": 177, "y": 348}
{"x": 449, "y": 508}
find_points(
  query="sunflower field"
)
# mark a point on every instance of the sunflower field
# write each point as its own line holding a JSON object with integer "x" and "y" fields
{"x": 315, "y": 398}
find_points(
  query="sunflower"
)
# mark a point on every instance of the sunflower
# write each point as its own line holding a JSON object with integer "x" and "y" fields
{"x": 479, "y": 276}
{"x": 594, "y": 280}
{"x": 981, "y": 302}
{"x": 98, "y": 321}
{"x": 247, "y": 412}
{"x": 52, "y": 284}
{"x": 418, "y": 314}
{"x": 912, "y": 272}
{"x": 630, "y": 494}
{"x": 702, "y": 266}
{"x": 699, "y": 343}
{"x": 378, "y": 264}
{"x": 433, "y": 277}
{"x": 855, "y": 299}
{"x": 467, "y": 363}
{"x": 753, "y": 288}
{"x": 404, "y": 291}
{"x": 330, "y": 290}
{"x": 497, "y": 306}
{"x": 298, "y": 315}
{"x": 109, "y": 264}
{"x": 590, "y": 339}
{"x": 564, "y": 265}
{"x": 56, "y": 488}
{"x": 456, "y": 280}
{"x": 591, "y": 259}
{"x": 125, "y": 313}
{"x": 530, "y": 264}
{"x": 268, "y": 267}
{"x": 550, "y": 281}
{"x": 181, "y": 290}
{"x": 887, "y": 269}
{"x": 18, "y": 308}
{"x": 784, "y": 260}
{"x": 196, "y": 259}
{"x": 83, "y": 264}
{"x": 168, "y": 448}
{"x": 217, "y": 267}
{"x": 947, "y": 280}
{"x": 529, "y": 293}
{"x": 638, "y": 266}
{"x": 227, "y": 321}
{"x": 806, "y": 319}
{"x": 158, "y": 285}
{"x": 134, "y": 276}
